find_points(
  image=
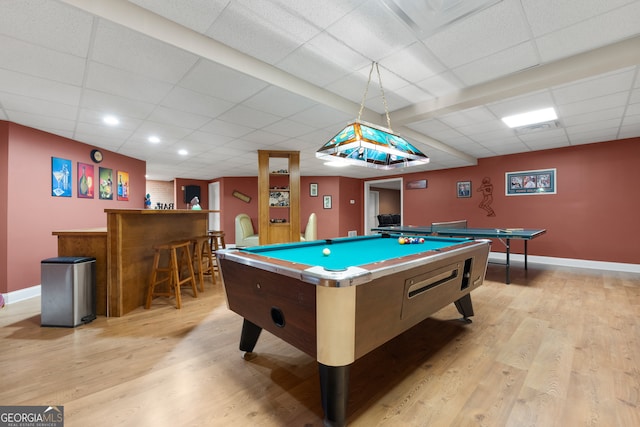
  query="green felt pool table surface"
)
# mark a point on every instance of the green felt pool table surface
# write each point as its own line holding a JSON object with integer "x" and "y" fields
{"x": 350, "y": 252}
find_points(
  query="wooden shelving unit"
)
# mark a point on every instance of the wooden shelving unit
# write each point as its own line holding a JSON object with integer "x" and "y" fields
{"x": 278, "y": 196}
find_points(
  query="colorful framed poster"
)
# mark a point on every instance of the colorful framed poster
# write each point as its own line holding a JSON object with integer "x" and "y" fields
{"x": 85, "y": 181}
{"x": 541, "y": 181}
{"x": 313, "y": 189}
{"x": 61, "y": 177}
{"x": 123, "y": 186}
{"x": 106, "y": 183}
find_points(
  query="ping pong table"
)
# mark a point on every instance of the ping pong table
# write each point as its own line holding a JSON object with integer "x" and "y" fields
{"x": 460, "y": 229}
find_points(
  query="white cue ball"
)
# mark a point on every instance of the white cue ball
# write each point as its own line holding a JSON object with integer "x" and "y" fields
{"x": 326, "y": 252}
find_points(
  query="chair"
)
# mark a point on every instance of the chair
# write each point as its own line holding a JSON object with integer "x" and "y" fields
{"x": 311, "y": 230}
{"x": 245, "y": 235}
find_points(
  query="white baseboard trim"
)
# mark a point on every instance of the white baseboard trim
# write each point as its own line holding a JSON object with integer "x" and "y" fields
{"x": 34, "y": 291}
{"x": 22, "y": 294}
{"x": 567, "y": 262}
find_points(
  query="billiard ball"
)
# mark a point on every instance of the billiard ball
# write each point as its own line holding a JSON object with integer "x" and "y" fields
{"x": 401, "y": 240}
{"x": 421, "y": 240}
{"x": 326, "y": 252}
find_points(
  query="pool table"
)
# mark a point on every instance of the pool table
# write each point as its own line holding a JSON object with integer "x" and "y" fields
{"x": 340, "y": 306}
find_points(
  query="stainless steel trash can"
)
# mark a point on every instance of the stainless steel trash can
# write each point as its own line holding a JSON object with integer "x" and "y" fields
{"x": 68, "y": 291}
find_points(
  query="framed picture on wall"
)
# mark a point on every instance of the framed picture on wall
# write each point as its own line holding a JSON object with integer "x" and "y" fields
{"x": 123, "y": 186}
{"x": 463, "y": 189}
{"x": 541, "y": 181}
{"x": 85, "y": 181}
{"x": 313, "y": 189}
{"x": 61, "y": 179}
{"x": 326, "y": 202}
{"x": 105, "y": 175}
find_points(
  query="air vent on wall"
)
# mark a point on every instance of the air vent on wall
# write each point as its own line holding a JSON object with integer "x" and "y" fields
{"x": 537, "y": 127}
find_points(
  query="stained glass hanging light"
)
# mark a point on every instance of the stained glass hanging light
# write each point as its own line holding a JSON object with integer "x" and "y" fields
{"x": 369, "y": 145}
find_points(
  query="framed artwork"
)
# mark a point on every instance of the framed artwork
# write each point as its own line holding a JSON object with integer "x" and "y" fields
{"x": 106, "y": 183}
{"x": 414, "y": 185}
{"x": 85, "y": 181}
{"x": 61, "y": 179}
{"x": 522, "y": 183}
{"x": 463, "y": 189}
{"x": 123, "y": 186}
{"x": 313, "y": 189}
{"x": 326, "y": 202}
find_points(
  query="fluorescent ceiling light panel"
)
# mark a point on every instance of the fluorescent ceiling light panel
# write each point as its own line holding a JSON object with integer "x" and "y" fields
{"x": 530, "y": 118}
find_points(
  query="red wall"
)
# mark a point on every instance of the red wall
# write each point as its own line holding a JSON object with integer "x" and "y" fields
{"x": 32, "y": 213}
{"x": 180, "y": 183}
{"x": 593, "y": 216}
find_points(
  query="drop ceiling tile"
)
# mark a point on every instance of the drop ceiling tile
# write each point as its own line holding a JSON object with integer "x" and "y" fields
{"x": 103, "y": 78}
{"x": 179, "y": 118}
{"x": 250, "y": 117}
{"x": 278, "y": 101}
{"x": 38, "y": 107}
{"x": 308, "y": 65}
{"x": 607, "y": 102}
{"x": 608, "y": 126}
{"x": 546, "y": 16}
{"x": 38, "y": 61}
{"x": 619, "y": 23}
{"x": 197, "y": 103}
{"x": 499, "y": 64}
{"x": 105, "y": 103}
{"x": 55, "y": 124}
{"x": 242, "y": 30}
{"x": 221, "y": 127}
{"x": 367, "y": 31}
{"x": 600, "y": 115}
{"x": 414, "y": 63}
{"x": 137, "y": 53}
{"x": 521, "y": 104}
{"x": 49, "y": 24}
{"x": 630, "y": 130}
{"x": 41, "y": 88}
{"x": 502, "y": 26}
{"x": 280, "y": 16}
{"x": 289, "y": 128}
{"x": 468, "y": 117}
{"x": 337, "y": 52}
{"x": 594, "y": 87}
{"x": 221, "y": 82}
{"x": 90, "y": 117}
{"x": 441, "y": 85}
{"x": 579, "y": 137}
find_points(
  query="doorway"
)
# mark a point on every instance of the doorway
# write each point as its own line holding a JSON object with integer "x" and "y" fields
{"x": 214, "y": 204}
{"x": 372, "y": 200}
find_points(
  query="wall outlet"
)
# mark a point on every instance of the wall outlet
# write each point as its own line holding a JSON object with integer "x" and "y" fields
{"x": 352, "y": 233}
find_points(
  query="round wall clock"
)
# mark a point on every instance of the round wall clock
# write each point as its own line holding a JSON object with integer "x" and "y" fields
{"x": 96, "y": 156}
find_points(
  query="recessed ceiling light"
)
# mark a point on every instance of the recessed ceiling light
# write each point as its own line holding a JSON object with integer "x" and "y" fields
{"x": 111, "y": 120}
{"x": 183, "y": 152}
{"x": 530, "y": 118}
{"x": 154, "y": 139}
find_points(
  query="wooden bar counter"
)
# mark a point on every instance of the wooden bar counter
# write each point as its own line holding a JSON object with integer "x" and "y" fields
{"x": 124, "y": 251}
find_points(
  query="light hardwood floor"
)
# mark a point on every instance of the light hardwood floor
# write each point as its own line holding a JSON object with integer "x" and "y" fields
{"x": 557, "y": 347}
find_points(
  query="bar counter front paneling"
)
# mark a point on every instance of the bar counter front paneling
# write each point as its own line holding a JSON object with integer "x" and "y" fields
{"x": 124, "y": 251}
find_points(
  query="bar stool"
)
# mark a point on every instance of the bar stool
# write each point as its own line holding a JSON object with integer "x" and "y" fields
{"x": 203, "y": 259}
{"x": 179, "y": 256}
{"x": 216, "y": 242}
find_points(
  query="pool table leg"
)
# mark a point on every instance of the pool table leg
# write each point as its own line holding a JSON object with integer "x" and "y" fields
{"x": 249, "y": 337}
{"x": 465, "y": 307}
{"x": 334, "y": 388}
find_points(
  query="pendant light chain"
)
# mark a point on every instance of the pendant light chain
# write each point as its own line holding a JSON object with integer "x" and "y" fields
{"x": 366, "y": 91}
